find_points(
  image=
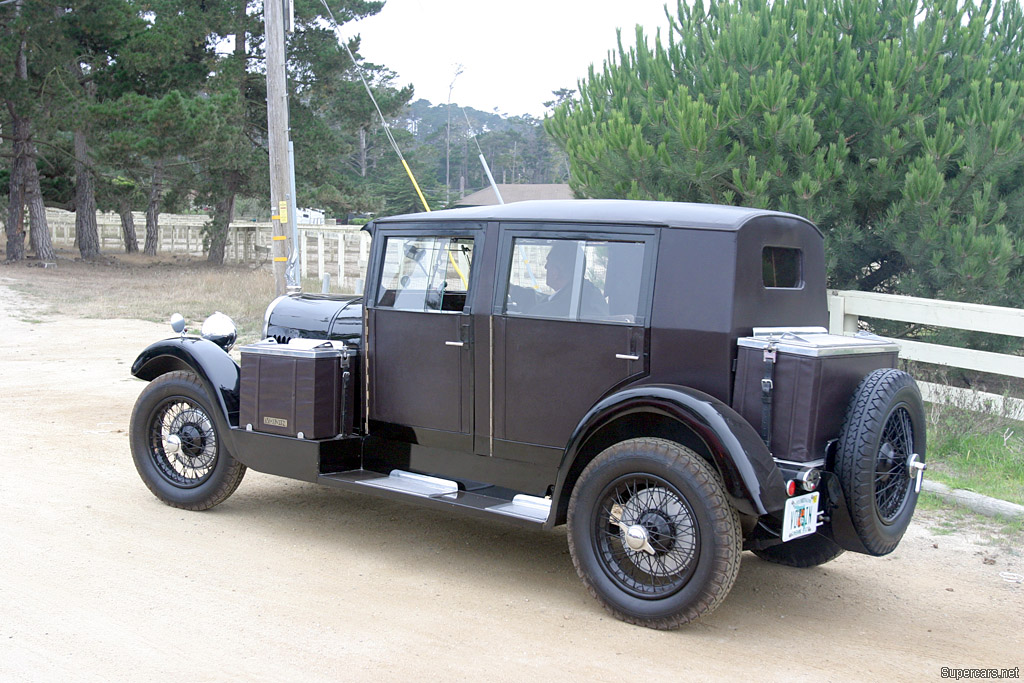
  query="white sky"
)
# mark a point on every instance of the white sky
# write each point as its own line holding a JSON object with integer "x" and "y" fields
{"x": 513, "y": 53}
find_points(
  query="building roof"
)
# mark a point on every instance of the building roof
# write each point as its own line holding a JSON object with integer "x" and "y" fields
{"x": 516, "y": 193}
{"x": 597, "y": 211}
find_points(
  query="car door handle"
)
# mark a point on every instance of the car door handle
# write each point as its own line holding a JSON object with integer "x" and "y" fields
{"x": 626, "y": 356}
{"x": 448, "y": 343}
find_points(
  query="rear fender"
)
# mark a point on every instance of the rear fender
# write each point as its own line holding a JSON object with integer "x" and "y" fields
{"x": 214, "y": 367}
{"x": 752, "y": 481}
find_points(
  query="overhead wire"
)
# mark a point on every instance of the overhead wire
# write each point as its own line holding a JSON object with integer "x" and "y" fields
{"x": 384, "y": 122}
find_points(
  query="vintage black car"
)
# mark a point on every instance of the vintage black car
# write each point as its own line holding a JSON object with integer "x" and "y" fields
{"x": 655, "y": 375}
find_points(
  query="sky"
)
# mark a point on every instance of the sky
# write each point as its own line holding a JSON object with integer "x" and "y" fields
{"x": 513, "y": 54}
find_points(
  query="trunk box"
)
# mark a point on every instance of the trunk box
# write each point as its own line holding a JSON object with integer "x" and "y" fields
{"x": 303, "y": 388}
{"x": 815, "y": 375}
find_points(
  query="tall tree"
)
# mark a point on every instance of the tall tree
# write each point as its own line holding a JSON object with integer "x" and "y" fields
{"x": 91, "y": 32}
{"x": 24, "y": 188}
{"x": 162, "y": 66}
{"x": 896, "y": 125}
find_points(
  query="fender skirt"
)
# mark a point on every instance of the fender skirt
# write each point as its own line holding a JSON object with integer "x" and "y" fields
{"x": 214, "y": 367}
{"x": 752, "y": 481}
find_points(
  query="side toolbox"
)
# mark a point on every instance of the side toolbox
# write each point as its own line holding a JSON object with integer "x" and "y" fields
{"x": 813, "y": 376}
{"x": 303, "y": 389}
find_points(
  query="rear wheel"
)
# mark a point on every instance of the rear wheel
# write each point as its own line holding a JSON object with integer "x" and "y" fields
{"x": 652, "y": 534}
{"x": 881, "y": 449}
{"x": 176, "y": 445}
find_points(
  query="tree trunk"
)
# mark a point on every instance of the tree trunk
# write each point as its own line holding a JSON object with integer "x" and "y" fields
{"x": 16, "y": 206}
{"x": 19, "y": 164}
{"x": 362, "y": 152}
{"x": 153, "y": 208}
{"x": 131, "y": 242}
{"x": 42, "y": 245}
{"x": 223, "y": 214}
{"x": 86, "y": 231}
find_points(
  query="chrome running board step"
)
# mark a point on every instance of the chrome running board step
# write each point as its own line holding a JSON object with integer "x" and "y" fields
{"x": 445, "y": 493}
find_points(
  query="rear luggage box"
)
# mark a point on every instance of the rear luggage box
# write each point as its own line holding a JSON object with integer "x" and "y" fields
{"x": 302, "y": 389}
{"x": 814, "y": 376}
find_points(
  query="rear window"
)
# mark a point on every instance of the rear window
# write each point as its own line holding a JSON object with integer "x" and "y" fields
{"x": 782, "y": 267}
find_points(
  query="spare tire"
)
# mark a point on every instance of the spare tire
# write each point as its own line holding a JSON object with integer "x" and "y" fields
{"x": 884, "y": 427}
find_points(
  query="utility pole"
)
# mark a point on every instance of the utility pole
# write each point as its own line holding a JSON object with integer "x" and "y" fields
{"x": 277, "y": 135}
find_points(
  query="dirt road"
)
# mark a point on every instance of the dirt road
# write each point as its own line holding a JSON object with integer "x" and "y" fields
{"x": 290, "y": 581}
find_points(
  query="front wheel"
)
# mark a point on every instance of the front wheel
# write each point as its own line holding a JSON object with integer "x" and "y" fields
{"x": 176, "y": 445}
{"x": 652, "y": 534}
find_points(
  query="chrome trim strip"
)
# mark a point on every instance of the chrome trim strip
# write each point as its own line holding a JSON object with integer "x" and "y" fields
{"x": 793, "y": 464}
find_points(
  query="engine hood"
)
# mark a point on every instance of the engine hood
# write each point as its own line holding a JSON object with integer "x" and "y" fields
{"x": 315, "y": 316}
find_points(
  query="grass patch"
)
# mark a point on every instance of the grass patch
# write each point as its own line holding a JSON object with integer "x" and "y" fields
{"x": 147, "y": 288}
{"x": 977, "y": 452}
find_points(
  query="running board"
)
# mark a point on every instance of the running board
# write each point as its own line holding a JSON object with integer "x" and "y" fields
{"x": 443, "y": 493}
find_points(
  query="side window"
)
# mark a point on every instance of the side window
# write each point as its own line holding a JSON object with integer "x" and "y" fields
{"x": 569, "y": 279}
{"x": 782, "y": 267}
{"x": 425, "y": 273}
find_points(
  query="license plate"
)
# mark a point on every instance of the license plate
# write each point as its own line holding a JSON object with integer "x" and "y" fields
{"x": 800, "y": 517}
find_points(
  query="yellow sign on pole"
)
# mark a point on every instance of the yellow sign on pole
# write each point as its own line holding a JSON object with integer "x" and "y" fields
{"x": 282, "y": 211}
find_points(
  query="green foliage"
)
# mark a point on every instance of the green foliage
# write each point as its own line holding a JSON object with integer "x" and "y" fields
{"x": 896, "y": 125}
{"x": 517, "y": 148}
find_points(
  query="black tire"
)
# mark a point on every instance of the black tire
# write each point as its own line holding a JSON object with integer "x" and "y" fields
{"x": 809, "y": 551}
{"x": 884, "y": 426}
{"x": 667, "y": 496}
{"x": 200, "y": 473}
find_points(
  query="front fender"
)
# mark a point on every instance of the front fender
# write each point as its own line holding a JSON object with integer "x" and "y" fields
{"x": 748, "y": 471}
{"x": 214, "y": 367}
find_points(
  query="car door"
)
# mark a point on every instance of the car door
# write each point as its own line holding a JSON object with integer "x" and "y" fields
{"x": 571, "y": 319}
{"x": 420, "y": 359}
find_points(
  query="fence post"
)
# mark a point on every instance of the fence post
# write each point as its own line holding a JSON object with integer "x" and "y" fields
{"x": 320, "y": 248}
{"x": 303, "y": 253}
{"x": 838, "y": 321}
{"x": 341, "y": 260}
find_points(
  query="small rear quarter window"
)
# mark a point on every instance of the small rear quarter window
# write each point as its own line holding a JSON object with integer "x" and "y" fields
{"x": 782, "y": 267}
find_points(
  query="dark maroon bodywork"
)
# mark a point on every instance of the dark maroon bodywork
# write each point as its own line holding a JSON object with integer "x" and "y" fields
{"x": 513, "y": 404}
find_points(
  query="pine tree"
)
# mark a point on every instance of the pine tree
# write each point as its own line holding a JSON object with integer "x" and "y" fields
{"x": 896, "y": 125}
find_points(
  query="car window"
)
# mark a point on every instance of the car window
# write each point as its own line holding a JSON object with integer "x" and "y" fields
{"x": 782, "y": 267}
{"x": 575, "y": 279}
{"x": 425, "y": 274}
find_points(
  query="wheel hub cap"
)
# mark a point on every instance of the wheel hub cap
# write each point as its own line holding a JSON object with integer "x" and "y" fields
{"x": 636, "y": 537}
{"x": 191, "y": 440}
{"x": 172, "y": 444}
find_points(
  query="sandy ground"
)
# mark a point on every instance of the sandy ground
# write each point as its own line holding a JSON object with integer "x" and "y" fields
{"x": 289, "y": 581}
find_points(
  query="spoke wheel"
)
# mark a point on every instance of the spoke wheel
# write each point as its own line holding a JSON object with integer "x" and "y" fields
{"x": 892, "y": 477}
{"x": 652, "y": 534}
{"x": 176, "y": 444}
{"x": 183, "y": 442}
{"x": 883, "y": 431}
{"x": 647, "y": 536}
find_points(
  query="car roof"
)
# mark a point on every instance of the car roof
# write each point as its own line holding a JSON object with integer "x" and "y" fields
{"x": 617, "y": 211}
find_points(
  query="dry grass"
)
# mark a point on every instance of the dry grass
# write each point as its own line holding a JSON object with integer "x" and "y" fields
{"x": 146, "y": 288}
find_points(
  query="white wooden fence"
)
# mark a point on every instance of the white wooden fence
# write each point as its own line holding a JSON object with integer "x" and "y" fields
{"x": 341, "y": 250}
{"x": 846, "y": 308}
{"x": 178, "y": 234}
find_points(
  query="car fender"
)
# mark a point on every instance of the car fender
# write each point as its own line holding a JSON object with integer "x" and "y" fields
{"x": 214, "y": 367}
{"x": 753, "y": 482}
